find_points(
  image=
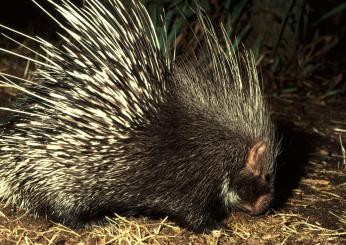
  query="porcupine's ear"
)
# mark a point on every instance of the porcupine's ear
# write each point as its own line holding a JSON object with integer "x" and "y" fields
{"x": 254, "y": 156}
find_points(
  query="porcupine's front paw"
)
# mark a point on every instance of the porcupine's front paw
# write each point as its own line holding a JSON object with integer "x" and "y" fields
{"x": 200, "y": 222}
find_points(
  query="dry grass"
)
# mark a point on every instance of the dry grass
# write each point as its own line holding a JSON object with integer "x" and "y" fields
{"x": 279, "y": 228}
{"x": 295, "y": 224}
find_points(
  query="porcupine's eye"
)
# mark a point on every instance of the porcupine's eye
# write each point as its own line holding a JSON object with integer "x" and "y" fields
{"x": 267, "y": 178}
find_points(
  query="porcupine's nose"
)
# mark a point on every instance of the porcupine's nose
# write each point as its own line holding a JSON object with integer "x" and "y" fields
{"x": 260, "y": 206}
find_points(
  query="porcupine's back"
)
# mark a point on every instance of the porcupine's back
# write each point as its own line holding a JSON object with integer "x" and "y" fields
{"x": 112, "y": 125}
{"x": 88, "y": 98}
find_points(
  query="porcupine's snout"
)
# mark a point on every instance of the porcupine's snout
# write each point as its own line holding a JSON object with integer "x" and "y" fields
{"x": 259, "y": 206}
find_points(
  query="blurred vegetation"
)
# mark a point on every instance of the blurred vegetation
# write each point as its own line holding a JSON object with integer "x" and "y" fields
{"x": 298, "y": 43}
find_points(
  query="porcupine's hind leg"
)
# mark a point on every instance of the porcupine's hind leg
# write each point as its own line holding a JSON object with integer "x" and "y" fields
{"x": 75, "y": 216}
{"x": 82, "y": 219}
{"x": 61, "y": 214}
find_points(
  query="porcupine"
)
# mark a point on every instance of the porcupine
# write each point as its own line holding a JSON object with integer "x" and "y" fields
{"x": 116, "y": 124}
